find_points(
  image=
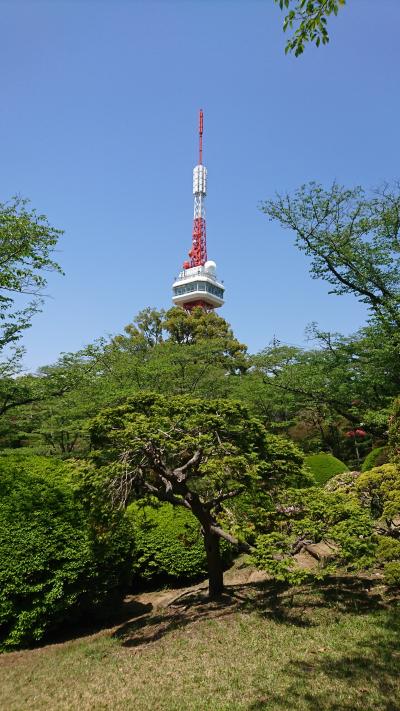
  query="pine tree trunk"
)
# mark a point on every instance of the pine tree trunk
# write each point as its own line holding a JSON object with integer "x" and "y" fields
{"x": 214, "y": 564}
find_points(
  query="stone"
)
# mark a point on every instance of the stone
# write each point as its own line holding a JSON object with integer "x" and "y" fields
{"x": 322, "y": 551}
{"x": 305, "y": 560}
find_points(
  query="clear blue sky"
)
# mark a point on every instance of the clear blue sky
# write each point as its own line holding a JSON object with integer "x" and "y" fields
{"x": 98, "y": 128}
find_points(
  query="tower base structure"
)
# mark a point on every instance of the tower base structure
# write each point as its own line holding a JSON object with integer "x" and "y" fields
{"x": 198, "y": 286}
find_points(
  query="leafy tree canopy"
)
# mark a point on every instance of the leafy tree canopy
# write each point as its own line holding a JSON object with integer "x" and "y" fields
{"x": 27, "y": 242}
{"x": 353, "y": 240}
{"x": 192, "y": 453}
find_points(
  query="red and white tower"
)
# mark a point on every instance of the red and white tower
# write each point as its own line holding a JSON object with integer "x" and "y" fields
{"x": 197, "y": 283}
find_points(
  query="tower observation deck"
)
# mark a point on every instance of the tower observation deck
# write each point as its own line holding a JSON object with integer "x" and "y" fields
{"x": 197, "y": 283}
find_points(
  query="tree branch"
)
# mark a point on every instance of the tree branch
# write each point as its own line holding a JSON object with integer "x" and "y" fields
{"x": 217, "y": 531}
{"x": 182, "y": 473}
{"x": 167, "y": 496}
{"x": 223, "y": 497}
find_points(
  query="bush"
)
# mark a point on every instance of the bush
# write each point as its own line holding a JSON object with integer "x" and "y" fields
{"x": 344, "y": 483}
{"x": 394, "y": 433}
{"x": 324, "y": 466}
{"x": 376, "y": 457}
{"x": 169, "y": 545}
{"x": 392, "y": 574}
{"x": 388, "y": 549}
{"x": 56, "y": 561}
{"x": 380, "y": 489}
{"x": 317, "y": 515}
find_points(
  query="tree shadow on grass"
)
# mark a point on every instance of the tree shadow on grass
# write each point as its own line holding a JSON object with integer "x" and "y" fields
{"x": 367, "y": 671}
{"x": 271, "y": 600}
{"x": 152, "y": 627}
{"x": 116, "y": 613}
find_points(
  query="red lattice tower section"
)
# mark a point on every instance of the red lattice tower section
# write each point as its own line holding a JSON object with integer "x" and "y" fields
{"x": 198, "y": 252}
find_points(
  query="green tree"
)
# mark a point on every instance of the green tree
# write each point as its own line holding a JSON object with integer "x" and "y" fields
{"x": 352, "y": 239}
{"x": 192, "y": 453}
{"x": 380, "y": 490}
{"x": 48, "y": 410}
{"x": 27, "y": 242}
{"x": 309, "y": 20}
{"x": 338, "y": 384}
{"x": 172, "y": 353}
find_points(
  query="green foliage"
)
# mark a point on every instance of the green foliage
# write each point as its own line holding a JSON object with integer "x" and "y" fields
{"x": 394, "y": 433}
{"x": 27, "y": 242}
{"x": 177, "y": 351}
{"x": 167, "y": 543}
{"x": 26, "y": 245}
{"x": 272, "y": 553}
{"x": 236, "y": 450}
{"x": 337, "y": 517}
{"x": 342, "y": 482}
{"x": 324, "y": 466}
{"x": 196, "y": 454}
{"x": 170, "y": 353}
{"x": 329, "y": 389}
{"x": 352, "y": 240}
{"x": 56, "y": 560}
{"x": 376, "y": 420}
{"x": 309, "y": 20}
{"x": 380, "y": 489}
{"x": 254, "y": 510}
{"x": 316, "y": 515}
{"x": 388, "y": 549}
{"x": 375, "y": 458}
{"x": 392, "y": 574}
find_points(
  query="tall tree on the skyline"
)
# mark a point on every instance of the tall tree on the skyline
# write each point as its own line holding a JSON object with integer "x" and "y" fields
{"x": 352, "y": 238}
{"x": 27, "y": 242}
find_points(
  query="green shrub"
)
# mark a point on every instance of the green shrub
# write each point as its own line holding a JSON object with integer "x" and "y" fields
{"x": 271, "y": 554}
{"x": 392, "y": 574}
{"x": 324, "y": 466}
{"x": 344, "y": 483}
{"x": 380, "y": 489}
{"x": 168, "y": 541}
{"x": 394, "y": 433}
{"x": 56, "y": 561}
{"x": 317, "y": 515}
{"x": 388, "y": 549}
{"x": 376, "y": 457}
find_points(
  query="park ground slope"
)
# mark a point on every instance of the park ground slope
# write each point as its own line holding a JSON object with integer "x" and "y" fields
{"x": 334, "y": 647}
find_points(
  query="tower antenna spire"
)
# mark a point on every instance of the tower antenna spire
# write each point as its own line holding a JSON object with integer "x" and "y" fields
{"x": 197, "y": 283}
{"x": 201, "y": 137}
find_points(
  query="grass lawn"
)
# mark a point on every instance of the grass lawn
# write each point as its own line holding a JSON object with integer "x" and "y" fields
{"x": 335, "y": 647}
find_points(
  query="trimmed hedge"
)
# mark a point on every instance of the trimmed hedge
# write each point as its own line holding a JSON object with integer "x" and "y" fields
{"x": 56, "y": 562}
{"x": 324, "y": 466}
{"x": 169, "y": 546}
{"x": 376, "y": 457}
